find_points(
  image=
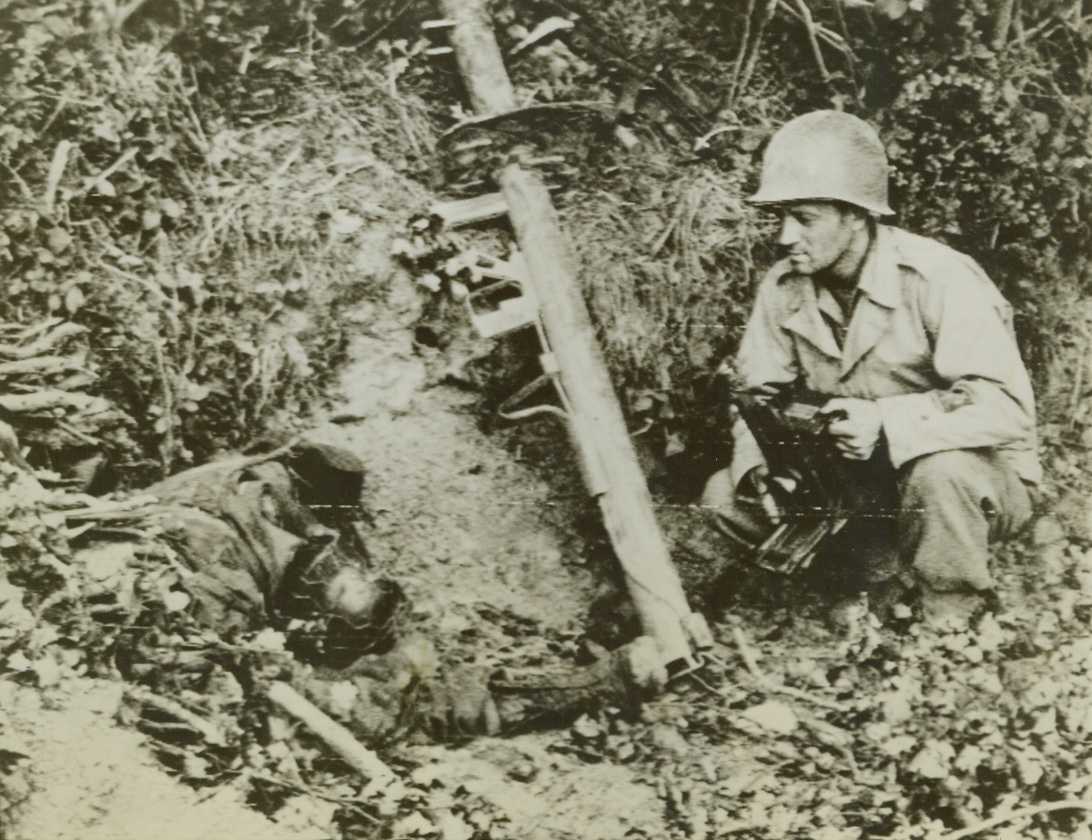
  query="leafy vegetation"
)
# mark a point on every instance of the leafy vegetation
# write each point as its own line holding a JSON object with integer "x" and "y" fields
{"x": 203, "y": 187}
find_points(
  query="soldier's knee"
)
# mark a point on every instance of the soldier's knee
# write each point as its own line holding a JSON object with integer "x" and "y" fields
{"x": 719, "y": 494}
{"x": 941, "y": 471}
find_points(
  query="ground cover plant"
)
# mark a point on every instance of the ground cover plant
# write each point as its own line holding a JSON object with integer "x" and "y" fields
{"x": 219, "y": 197}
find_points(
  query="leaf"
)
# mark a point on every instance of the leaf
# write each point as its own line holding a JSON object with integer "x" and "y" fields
{"x": 269, "y": 639}
{"x": 48, "y": 672}
{"x": 73, "y": 300}
{"x": 343, "y": 222}
{"x": 900, "y": 744}
{"x": 989, "y": 636}
{"x": 1046, "y": 723}
{"x": 170, "y": 208}
{"x": 1044, "y": 693}
{"x": 150, "y": 219}
{"x": 195, "y": 767}
{"x": 58, "y": 239}
{"x": 176, "y": 601}
{"x": 970, "y": 757}
{"x": 415, "y": 825}
{"x": 585, "y": 727}
{"x": 429, "y": 281}
{"x": 774, "y": 716}
{"x": 892, "y": 9}
{"x": 933, "y": 761}
{"x": 1029, "y": 764}
{"x": 343, "y": 697}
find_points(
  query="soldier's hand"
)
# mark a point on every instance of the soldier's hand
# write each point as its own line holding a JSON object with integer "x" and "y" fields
{"x": 855, "y": 425}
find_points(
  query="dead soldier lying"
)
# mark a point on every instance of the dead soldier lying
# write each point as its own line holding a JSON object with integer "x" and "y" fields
{"x": 274, "y": 539}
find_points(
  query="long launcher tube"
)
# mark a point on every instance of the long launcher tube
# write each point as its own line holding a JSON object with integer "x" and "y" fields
{"x": 598, "y": 425}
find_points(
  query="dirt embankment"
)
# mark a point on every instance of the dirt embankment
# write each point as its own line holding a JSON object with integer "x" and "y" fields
{"x": 470, "y": 532}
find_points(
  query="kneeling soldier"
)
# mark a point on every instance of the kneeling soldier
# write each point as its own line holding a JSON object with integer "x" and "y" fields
{"x": 911, "y": 346}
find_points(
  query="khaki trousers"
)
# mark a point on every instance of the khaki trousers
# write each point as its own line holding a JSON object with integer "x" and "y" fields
{"x": 934, "y": 526}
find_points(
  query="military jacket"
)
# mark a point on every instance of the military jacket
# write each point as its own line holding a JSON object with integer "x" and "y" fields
{"x": 929, "y": 338}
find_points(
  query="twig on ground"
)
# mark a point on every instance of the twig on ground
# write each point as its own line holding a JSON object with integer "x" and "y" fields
{"x": 1021, "y": 814}
{"x": 56, "y": 172}
{"x": 747, "y": 652}
{"x": 340, "y": 739}
{"x": 351, "y": 802}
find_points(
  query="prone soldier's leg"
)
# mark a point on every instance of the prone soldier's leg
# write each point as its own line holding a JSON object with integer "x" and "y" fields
{"x": 953, "y": 505}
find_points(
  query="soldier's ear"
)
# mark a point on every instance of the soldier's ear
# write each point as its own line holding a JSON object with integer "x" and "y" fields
{"x": 858, "y": 218}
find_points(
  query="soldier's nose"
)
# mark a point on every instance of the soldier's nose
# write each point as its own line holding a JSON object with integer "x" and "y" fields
{"x": 790, "y": 232}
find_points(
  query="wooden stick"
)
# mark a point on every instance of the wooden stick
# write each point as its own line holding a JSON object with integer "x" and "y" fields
{"x": 1023, "y": 813}
{"x": 336, "y": 736}
{"x": 748, "y": 654}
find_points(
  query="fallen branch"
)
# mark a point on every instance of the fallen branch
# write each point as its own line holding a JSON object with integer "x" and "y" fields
{"x": 43, "y": 344}
{"x": 336, "y": 736}
{"x": 1023, "y": 813}
{"x": 51, "y": 398}
{"x": 771, "y": 685}
{"x": 207, "y": 731}
{"x": 42, "y": 365}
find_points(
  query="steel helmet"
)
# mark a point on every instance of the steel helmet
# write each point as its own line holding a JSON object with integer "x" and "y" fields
{"x": 825, "y": 155}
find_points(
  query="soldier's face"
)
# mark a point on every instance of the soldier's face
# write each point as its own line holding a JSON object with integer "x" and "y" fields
{"x": 816, "y": 236}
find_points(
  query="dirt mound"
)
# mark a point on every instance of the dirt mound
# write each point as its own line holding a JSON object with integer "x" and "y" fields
{"x": 457, "y": 519}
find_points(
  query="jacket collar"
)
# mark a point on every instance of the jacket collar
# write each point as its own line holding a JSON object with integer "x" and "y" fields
{"x": 881, "y": 291}
{"x": 880, "y": 276}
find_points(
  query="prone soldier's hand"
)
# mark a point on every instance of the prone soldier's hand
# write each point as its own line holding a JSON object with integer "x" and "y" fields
{"x": 855, "y": 425}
